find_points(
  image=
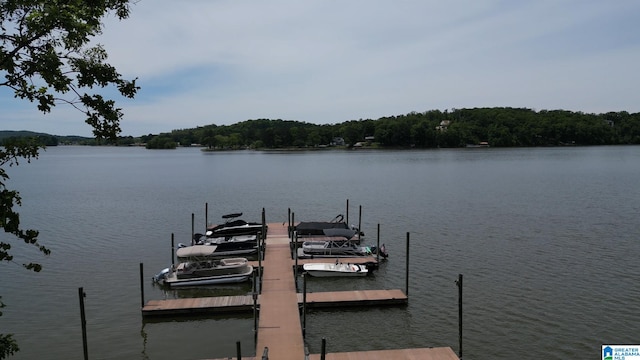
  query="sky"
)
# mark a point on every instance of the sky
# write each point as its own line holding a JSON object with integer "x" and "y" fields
{"x": 202, "y": 62}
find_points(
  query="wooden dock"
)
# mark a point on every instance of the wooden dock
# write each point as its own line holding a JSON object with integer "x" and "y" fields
{"x": 443, "y": 353}
{"x": 244, "y": 303}
{"x": 279, "y": 326}
{"x": 202, "y": 305}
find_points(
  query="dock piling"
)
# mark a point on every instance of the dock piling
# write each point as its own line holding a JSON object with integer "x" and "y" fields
{"x": 141, "y": 286}
{"x": 295, "y": 258}
{"x": 406, "y": 285}
{"x": 347, "y": 211}
{"x": 173, "y": 249}
{"x": 193, "y": 228}
{"x": 259, "y": 264}
{"x": 289, "y": 222}
{"x": 359, "y": 223}
{"x": 323, "y": 350}
{"x": 304, "y": 305}
{"x": 459, "y": 283}
{"x": 261, "y": 240}
{"x": 378, "y": 246}
{"x": 83, "y": 321}
{"x": 293, "y": 224}
{"x": 255, "y": 308}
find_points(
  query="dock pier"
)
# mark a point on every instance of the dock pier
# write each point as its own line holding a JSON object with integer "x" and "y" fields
{"x": 279, "y": 325}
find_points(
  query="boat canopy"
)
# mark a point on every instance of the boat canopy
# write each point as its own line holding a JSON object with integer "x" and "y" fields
{"x": 196, "y": 251}
{"x": 316, "y": 228}
{"x": 346, "y": 233}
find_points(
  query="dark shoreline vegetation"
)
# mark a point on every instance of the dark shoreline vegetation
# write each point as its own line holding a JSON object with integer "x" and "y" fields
{"x": 497, "y": 127}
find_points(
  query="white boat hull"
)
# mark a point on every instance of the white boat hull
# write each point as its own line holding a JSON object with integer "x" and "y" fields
{"x": 302, "y": 254}
{"x": 211, "y": 272}
{"x": 335, "y": 270}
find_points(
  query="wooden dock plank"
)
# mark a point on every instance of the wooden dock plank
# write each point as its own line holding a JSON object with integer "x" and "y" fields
{"x": 355, "y": 298}
{"x": 244, "y": 303}
{"x": 441, "y": 353}
{"x": 301, "y": 262}
{"x": 279, "y": 326}
{"x": 275, "y": 230}
{"x": 217, "y": 304}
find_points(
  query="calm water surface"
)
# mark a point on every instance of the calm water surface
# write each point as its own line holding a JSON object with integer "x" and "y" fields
{"x": 547, "y": 240}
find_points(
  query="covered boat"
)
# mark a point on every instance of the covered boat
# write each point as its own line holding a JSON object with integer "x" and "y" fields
{"x": 335, "y": 227}
{"x": 233, "y": 226}
{"x": 209, "y": 239}
{"x": 335, "y": 269}
{"x": 214, "y": 251}
{"x": 210, "y": 272}
{"x": 311, "y": 249}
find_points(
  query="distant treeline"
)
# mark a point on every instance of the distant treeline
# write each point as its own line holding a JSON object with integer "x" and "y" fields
{"x": 500, "y": 127}
{"x": 55, "y": 140}
{"x": 40, "y": 138}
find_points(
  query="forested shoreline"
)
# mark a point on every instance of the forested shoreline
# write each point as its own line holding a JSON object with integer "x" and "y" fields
{"x": 498, "y": 127}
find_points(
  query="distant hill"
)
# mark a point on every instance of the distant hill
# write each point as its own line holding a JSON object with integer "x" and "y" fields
{"x": 495, "y": 127}
{"x": 10, "y": 133}
{"x": 48, "y": 139}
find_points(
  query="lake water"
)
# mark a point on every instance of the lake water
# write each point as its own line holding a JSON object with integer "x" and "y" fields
{"x": 548, "y": 241}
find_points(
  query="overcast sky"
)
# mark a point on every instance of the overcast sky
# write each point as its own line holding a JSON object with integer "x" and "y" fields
{"x": 202, "y": 62}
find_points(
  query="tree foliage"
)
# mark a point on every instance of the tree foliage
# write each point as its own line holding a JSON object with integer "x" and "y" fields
{"x": 500, "y": 127}
{"x": 46, "y": 58}
{"x": 161, "y": 142}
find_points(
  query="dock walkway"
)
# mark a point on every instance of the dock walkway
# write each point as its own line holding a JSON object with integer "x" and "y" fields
{"x": 279, "y": 326}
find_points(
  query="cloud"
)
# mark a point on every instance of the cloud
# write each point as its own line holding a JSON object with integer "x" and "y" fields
{"x": 326, "y": 61}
